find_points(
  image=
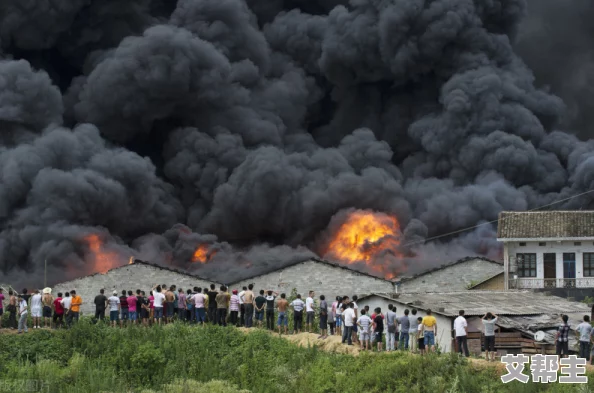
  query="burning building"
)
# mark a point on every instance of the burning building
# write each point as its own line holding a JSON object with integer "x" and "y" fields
{"x": 217, "y": 136}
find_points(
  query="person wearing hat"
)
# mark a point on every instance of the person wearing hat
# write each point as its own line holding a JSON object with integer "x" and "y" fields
{"x": 114, "y": 308}
{"x": 48, "y": 301}
{"x": 234, "y": 308}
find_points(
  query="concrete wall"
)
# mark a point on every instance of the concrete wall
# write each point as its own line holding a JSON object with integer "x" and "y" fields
{"x": 129, "y": 277}
{"x": 324, "y": 279}
{"x": 453, "y": 278}
{"x": 444, "y": 324}
{"x": 496, "y": 283}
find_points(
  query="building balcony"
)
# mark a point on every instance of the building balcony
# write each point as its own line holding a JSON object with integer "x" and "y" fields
{"x": 540, "y": 283}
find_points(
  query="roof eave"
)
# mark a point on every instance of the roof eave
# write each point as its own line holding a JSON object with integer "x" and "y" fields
{"x": 549, "y": 239}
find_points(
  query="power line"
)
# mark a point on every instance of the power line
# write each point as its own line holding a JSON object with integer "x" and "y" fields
{"x": 491, "y": 222}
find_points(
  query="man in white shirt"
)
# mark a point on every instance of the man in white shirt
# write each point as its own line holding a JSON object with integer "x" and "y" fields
{"x": 158, "y": 303}
{"x": 460, "y": 326}
{"x": 309, "y": 311}
{"x": 22, "y": 315}
{"x": 114, "y": 308}
{"x": 298, "y": 306}
{"x": 242, "y": 306}
{"x": 349, "y": 319}
{"x": 66, "y": 303}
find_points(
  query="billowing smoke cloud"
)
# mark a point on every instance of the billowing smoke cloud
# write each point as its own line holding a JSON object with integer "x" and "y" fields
{"x": 247, "y": 125}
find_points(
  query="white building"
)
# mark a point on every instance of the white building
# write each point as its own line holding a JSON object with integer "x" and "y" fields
{"x": 547, "y": 249}
{"x": 323, "y": 277}
{"x": 138, "y": 275}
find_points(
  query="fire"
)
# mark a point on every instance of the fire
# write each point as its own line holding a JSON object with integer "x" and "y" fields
{"x": 367, "y": 237}
{"x": 203, "y": 254}
{"x": 101, "y": 258}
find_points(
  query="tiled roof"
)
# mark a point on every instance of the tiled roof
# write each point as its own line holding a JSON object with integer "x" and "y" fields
{"x": 314, "y": 259}
{"x": 485, "y": 280}
{"x": 545, "y": 224}
{"x": 450, "y": 264}
{"x": 477, "y": 303}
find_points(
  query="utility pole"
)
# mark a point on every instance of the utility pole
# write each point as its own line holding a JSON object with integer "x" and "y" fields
{"x": 45, "y": 274}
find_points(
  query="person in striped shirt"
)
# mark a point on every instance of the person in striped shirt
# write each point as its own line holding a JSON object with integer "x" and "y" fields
{"x": 364, "y": 323}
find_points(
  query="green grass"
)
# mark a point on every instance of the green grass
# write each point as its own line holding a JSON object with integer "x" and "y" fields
{"x": 181, "y": 358}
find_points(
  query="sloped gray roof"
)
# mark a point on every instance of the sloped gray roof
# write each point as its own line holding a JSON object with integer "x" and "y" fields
{"x": 450, "y": 264}
{"x": 545, "y": 224}
{"x": 477, "y": 303}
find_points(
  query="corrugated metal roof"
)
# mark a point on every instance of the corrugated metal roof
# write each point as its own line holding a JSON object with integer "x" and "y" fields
{"x": 477, "y": 303}
{"x": 545, "y": 224}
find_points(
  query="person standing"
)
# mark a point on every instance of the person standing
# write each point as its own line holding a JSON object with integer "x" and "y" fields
{"x": 22, "y": 315}
{"x": 66, "y": 304}
{"x": 260, "y": 303}
{"x": 36, "y": 307}
{"x": 332, "y": 318}
{"x": 349, "y": 318}
{"x": 356, "y": 309}
{"x": 271, "y": 296}
{"x": 12, "y": 310}
{"x": 151, "y": 300}
{"x": 114, "y": 308}
{"x": 583, "y": 331}
{"x": 460, "y": 326}
{"x": 489, "y": 320}
{"x": 420, "y": 336}
{"x": 248, "y": 302}
{"x": 47, "y": 301}
{"x": 364, "y": 323}
{"x": 100, "y": 305}
{"x": 132, "y": 313}
{"x": 339, "y": 316}
{"x": 378, "y": 328}
{"x": 170, "y": 304}
{"x": 404, "y": 322}
{"x": 199, "y": 306}
{"x": 298, "y": 306}
{"x": 242, "y": 307}
{"x": 323, "y": 318}
{"x": 158, "y": 302}
{"x": 413, "y": 332}
{"x": 190, "y": 309}
{"x": 58, "y": 317}
{"x": 181, "y": 305}
{"x": 212, "y": 304}
{"x": 430, "y": 331}
{"x": 309, "y": 311}
{"x": 1, "y": 305}
{"x": 234, "y": 308}
{"x": 222, "y": 300}
{"x": 391, "y": 323}
{"x": 75, "y": 306}
{"x": 124, "y": 314}
{"x": 283, "y": 317}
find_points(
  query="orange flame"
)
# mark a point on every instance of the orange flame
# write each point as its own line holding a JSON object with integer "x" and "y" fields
{"x": 366, "y": 237}
{"x": 102, "y": 259}
{"x": 203, "y": 254}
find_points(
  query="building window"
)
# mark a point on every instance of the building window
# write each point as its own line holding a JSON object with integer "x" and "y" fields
{"x": 522, "y": 244}
{"x": 577, "y": 243}
{"x": 542, "y": 244}
{"x": 526, "y": 265}
{"x": 589, "y": 264}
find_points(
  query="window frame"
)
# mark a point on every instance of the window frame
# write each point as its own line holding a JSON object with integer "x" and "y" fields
{"x": 590, "y": 261}
{"x": 526, "y": 269}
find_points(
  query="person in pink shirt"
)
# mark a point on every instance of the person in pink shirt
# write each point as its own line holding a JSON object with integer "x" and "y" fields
{"x": 151, "y": 307}
{"x": 132, "y": 314}
{"x": 234, "y": 308}
{"x": 181, "y": 305}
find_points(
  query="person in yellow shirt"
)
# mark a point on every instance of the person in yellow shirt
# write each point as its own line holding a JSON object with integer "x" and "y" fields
{"x": 75, "y": 305}
{"x": 430, "y": 331}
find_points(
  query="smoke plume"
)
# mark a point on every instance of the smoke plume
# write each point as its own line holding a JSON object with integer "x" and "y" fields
{"x": 249, "y": 126}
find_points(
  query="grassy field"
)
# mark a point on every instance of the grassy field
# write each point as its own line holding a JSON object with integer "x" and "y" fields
{"x": 181, "y": 358}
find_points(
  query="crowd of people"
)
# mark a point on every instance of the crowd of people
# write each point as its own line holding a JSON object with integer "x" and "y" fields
{"x": 166, "y": 304}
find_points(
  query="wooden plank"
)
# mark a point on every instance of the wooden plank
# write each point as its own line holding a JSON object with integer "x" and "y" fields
{"x": 512, "y": 334}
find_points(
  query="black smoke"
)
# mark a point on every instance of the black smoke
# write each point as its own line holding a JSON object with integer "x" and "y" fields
{"x": 248, "y": 125}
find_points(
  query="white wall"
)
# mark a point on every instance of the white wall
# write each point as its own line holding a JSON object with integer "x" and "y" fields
{"x": 444, "y": 324}
{"x": 322, "y": 278}
{"x": 552, "y": 247}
